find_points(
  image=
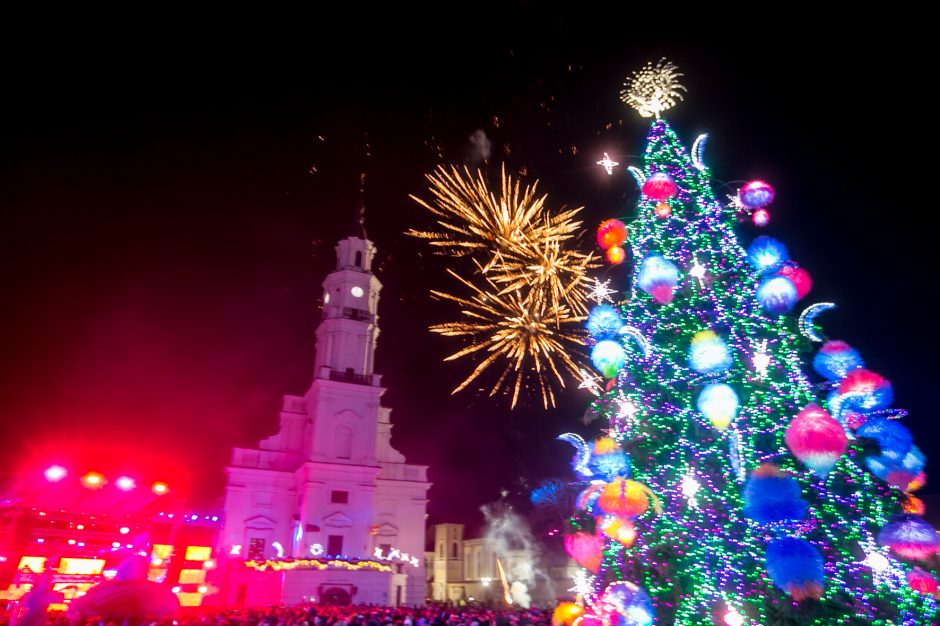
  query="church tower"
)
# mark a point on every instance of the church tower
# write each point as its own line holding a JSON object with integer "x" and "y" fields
{"x": 329, "y": 483}
{"x": 347, "y": 334}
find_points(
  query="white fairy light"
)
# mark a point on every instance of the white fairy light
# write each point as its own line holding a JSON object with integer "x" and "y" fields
{"x": 761, "y": 359}
{"x": 690, "y": 487}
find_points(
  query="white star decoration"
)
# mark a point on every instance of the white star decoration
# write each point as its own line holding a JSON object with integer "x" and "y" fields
{"x": 601, "y": 292}
{"x": 608, "y": 164}
{"x": 589, "y": 382}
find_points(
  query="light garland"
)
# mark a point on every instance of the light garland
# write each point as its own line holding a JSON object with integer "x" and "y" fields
{"x": 394, "y": 554}
{"x": 285, "y": 565}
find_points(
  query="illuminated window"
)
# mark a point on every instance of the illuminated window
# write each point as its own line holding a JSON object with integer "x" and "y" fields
{"x": 80, "y": 566}
{"x": 162, "y": 551}
{"x": 339, "y": 497}
{"x": 34, "y": 563}
{"x": 198, "y": 553}
{"x": 190, "y": 599}
{"x": 192, "y": 576}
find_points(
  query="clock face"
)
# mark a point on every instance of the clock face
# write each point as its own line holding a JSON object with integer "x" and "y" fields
{"x": 326, "y": 298}
{"x": 356, "y": 292}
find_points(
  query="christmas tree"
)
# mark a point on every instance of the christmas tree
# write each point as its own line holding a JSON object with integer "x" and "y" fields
{"x": 751, "y": 472}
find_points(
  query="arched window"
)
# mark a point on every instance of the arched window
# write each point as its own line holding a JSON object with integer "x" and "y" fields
{"x": 343, "y": 442}
{"x": 453, "y": 550}
{"x": 358, "y": 258}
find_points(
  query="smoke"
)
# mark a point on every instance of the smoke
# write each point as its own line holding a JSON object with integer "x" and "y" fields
{"x": 509, "y": 538}
{"x": 479, "y": 147}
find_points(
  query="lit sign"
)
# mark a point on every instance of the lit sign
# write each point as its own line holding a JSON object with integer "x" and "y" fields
{"x": 80, "y": 566}
{"x": 198, "y": 553}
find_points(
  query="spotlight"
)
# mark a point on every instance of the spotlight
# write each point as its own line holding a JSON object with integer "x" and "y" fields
{"x": 160, "y": 488}
{"x": 55, "y": 473}
{"x": 93, "y": 480}
{"x": 125, "y": 483}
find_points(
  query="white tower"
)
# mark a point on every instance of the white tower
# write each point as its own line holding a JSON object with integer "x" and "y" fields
{"x": 346, "y": 337}
{"x": 329, "y": 482}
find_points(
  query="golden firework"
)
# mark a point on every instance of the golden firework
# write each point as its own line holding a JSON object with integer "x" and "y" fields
{"x": 653, "y": 89}
{"x": 532, "y": 336}
{"x": 474, "y": 219}
{"x": 528, "y": 285}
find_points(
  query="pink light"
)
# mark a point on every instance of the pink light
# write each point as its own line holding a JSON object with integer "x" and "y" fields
{"x": 124, "y": 530}
{"x": 125, "y": 483}
{"x": 55, "y": 473}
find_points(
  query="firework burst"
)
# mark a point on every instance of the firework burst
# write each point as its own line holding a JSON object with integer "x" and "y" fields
{"x": 528, "y": 288}
{"x": 653, "y": 89}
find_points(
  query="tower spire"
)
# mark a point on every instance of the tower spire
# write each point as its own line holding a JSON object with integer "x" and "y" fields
{"x": 359, "y": 223}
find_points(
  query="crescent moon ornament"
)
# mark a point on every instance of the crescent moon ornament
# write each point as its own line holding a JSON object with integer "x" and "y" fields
{"x": 638, "y": 175}
{"x": 698, "y": 148}
{"x": 583, "y": 452}
{"x": 809, "y": 314}
{"x": 637, "y": 335}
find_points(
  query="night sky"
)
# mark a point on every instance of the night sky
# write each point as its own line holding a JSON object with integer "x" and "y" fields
{"x": 170, "y": 206}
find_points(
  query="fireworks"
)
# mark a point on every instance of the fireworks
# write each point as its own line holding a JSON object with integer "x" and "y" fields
{"x": 528, "y": 287}
{"x": 653, "y": 89}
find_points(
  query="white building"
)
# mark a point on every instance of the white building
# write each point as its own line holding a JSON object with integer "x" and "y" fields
{"x": 463, "y": 570}
{"x": 329, "y": 483}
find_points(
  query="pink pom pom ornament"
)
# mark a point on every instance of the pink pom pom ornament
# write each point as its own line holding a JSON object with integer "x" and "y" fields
{"x": 587, "y": 550}
{"x": 816, "y": 439}
{"x": 659, "y": 187}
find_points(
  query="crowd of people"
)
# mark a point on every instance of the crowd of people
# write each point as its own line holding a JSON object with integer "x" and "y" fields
{"x": 353, "y": 615}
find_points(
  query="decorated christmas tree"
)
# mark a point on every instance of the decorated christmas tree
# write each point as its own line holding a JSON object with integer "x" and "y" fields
{"x": 751, "y": 472}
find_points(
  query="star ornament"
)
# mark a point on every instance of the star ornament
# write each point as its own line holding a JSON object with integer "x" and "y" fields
{"x": 601, "y": 292}
{"x": 589, "y": 382}
{"x": 608, "y": 164}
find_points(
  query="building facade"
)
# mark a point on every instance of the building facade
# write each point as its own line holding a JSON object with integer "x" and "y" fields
{"x": 328, "y": 486}
{"x": 464, "y": 570}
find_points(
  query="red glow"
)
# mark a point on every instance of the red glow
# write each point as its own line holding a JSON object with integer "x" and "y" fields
{"x": 93, "y": 480}
{"x": 55, "y": 473}
{"x": 615, "y": 255}
{"x": 160, "y": 488}
{"x": 125, "y": 483}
